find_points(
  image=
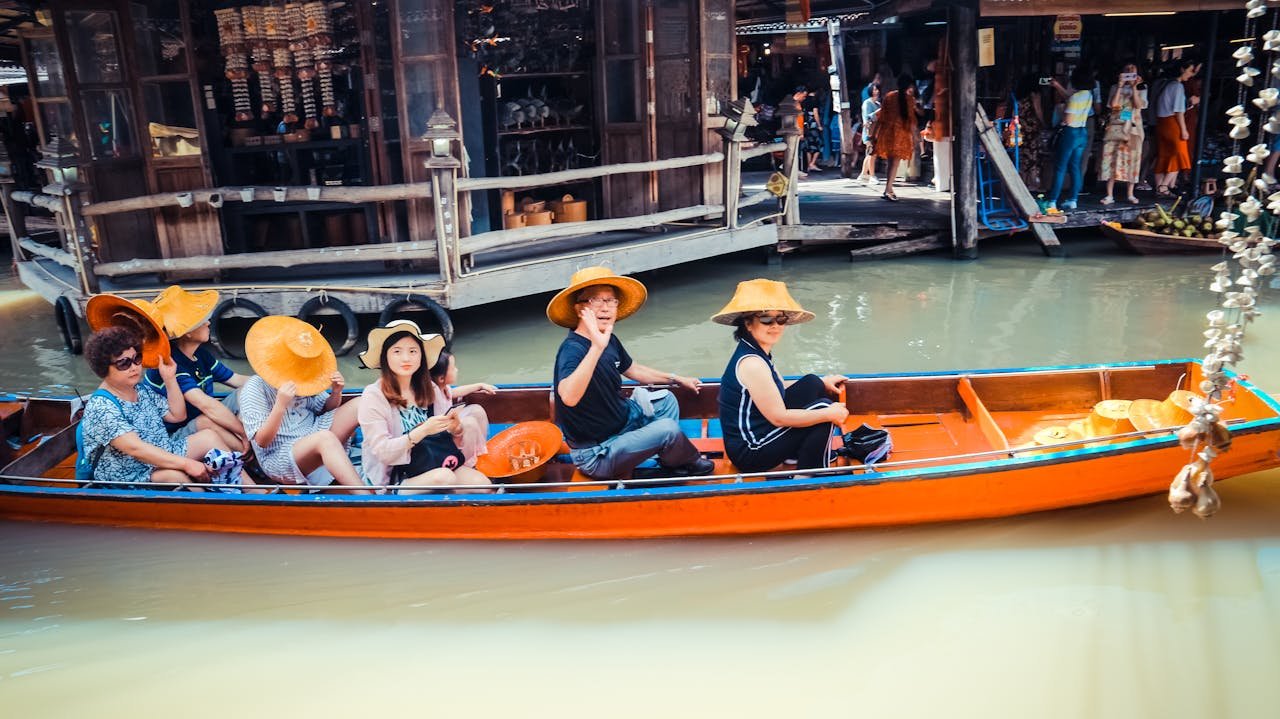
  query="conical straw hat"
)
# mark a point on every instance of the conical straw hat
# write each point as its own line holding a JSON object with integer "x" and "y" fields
{"x": 1173, "y": 411}
{"x": 431, "y": 344}
{"x": 760, "y": 295}
{"x": 286, "y": 349}
{"x": 184, "y": 311}
{"x": 1110, "y": 416}
{"x": 631, "y": 295}
{"x": 1055, "y": 435}
{"x": 138, "y": 315}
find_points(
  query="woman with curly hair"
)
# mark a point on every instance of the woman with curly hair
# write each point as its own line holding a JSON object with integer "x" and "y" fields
{"x": 123, "y": 428}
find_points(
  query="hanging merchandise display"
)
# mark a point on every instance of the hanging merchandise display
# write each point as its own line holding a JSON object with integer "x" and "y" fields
{"x": 231, "y": 37}
{"x": 303, "y": 61}
{"x": 1248, "y": 233}
{"x": 255, "y": 34}
{"x": 320, "y": 28}
{"x": 282, "y": 59}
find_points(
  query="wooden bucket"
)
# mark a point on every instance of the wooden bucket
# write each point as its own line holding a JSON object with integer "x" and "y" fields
{"x": 513, "y": 221}
{"x": 508, "y": 202}
{"x": 568, "y": 209}
{"x": 538, "y": 218}
{"x": 528, "y": 205}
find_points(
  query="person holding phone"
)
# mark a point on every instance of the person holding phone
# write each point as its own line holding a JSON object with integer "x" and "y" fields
{"x": 1073, "y": 135}
{"x": 473, "y": 418}
{"x": 412, "y": 437}
{"x": 1172, "y": 134}
{"x": 1122, "y": 139}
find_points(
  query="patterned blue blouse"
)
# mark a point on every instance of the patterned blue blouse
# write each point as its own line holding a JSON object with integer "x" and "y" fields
{"x": 104, "y": 421}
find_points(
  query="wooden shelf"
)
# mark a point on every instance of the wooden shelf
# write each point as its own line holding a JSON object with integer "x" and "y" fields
{"x": 540, "y": 130}
{"x": 538, "y": 75}
{"x": 310, "y": 145}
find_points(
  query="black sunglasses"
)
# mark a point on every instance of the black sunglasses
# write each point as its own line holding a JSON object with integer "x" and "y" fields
{"x": 124, "y": 363}
{"x": 766, "y": 320}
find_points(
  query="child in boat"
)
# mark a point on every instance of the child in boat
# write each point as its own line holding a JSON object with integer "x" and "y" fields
{"x": 412, "y": 437}
{"x": 292, "y": 409}
{"x": 123, "y": 431}
{"x": 186, "y": 320}
{"x": 475, "y": 421}
{"x": 764, "y": 421}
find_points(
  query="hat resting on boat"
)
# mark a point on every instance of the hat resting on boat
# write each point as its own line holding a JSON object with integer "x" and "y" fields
{"x": 1173, "y": 411}
{"x": 1056, "y": 435}
{"x": 761, "y": 295}
{"x": 140, "y": 316}
{"x": 1110, "y": 416}
{"x": 501, "y": 461}
{"x": 185, "y": 311}
{"x": 432, "y": 344}
{"x": 631, "y": 295}
{"x": 286, "y": 349}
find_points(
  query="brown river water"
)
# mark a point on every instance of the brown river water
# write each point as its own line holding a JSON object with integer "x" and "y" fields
{"x": 1116, "y": 610}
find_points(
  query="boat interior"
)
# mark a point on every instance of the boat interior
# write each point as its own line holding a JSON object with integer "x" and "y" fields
{"x": 933, "y": 419}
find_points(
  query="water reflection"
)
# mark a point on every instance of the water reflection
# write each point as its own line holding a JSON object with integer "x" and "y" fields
{"x": 1117, "y": 610}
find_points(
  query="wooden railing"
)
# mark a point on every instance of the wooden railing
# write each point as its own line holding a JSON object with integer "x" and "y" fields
{"x": 452, "y": 250}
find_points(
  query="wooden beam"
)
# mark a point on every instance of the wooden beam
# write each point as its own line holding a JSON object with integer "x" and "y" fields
{"x": 826, "y": 234}
{"x": 355, "y": 195}
{"x": 962, "y": 39}
{"x": 62, "y": 257}
{"x": 761, "y": 150}
{"x": 501, "y": 239}
{"x": 1023, "y": 202}
{"x": 925, "y": 243}
{"x": 282, "y": 258}
{"x": 475, "y": 184}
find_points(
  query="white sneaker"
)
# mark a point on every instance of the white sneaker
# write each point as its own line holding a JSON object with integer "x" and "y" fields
{"x": 873, "y": 182}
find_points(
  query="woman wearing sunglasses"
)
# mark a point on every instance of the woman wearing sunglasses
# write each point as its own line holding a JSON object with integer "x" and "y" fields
{"x": 123, "y": 428}
{"x": 766, "y": 421}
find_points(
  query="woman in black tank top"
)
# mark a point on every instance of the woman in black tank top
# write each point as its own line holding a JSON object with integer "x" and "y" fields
{"x": 765, "y": 421}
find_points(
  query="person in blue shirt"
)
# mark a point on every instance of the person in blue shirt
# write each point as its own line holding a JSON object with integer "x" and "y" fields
{"x": 186, "y": 319}
{"x": 608, "y": 433}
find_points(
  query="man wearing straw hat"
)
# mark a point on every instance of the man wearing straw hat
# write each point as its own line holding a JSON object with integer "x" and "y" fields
{"x": 610, "y": 435}
{"x": 186, "y": 320}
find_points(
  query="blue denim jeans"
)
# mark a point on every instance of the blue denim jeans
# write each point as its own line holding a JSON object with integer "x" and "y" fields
{"x": 641, "y": 438}
{"x": 1071, "y": 144}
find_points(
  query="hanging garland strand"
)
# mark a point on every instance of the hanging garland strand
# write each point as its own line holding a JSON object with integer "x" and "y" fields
{"x": 1246, "y": 234}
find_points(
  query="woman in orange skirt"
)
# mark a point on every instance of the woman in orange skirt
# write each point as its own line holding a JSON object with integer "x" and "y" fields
{"x": 897, "y": 130}
{"x": 1171, "y": 131}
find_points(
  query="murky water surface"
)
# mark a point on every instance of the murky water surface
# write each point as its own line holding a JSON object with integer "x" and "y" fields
{"x": 1120, "y": 610}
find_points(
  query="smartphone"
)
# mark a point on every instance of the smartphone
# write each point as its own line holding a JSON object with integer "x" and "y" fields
{"x": 1046, "y": 80}
{"x": 1128, "y": 76}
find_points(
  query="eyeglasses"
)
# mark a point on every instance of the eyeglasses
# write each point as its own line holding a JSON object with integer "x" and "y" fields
{"x": 124, "y": 363}
{"x": 767, "y": 320}
{"x": 601, "y": 302}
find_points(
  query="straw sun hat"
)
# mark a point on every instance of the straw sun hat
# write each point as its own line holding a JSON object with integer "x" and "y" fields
{"x": 185, "y": 311}
{"x": 1110, "y": 416}
{"x": 286, "y": 349}
{"x": 1174, "y": 411}
{"x": 631, "y": 295}
{"x": 140, "y": 316}
{"x": 431, "y": 344}
{"x": 761, "y": 295}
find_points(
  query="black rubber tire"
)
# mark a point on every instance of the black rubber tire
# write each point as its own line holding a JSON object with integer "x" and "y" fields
{"x": 215, "y": 321}
{"x": 65, "y": 315}
{"x": 310, "y": 307}
{"x": 441, "y": 315}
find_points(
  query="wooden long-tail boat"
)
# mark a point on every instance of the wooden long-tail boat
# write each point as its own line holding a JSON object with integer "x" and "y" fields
{"x": 963, "y": 449}
{"x": 1145, "y": 242}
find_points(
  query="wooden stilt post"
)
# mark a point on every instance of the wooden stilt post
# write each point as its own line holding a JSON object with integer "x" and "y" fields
{"x": 790, "y": 111}
{"x": 739, "y": 115}
{"x": 840, "y": 100}
{"x": 963, "y": 41}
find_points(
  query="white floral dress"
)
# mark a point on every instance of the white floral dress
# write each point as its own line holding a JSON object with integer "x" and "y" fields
{"x": 104, "y": 421}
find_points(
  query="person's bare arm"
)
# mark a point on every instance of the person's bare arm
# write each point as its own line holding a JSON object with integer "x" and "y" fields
{"x": 756, "y": 377}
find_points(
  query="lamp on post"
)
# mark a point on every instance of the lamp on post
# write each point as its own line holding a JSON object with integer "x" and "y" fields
{"x": 61, "y": 163}
{"x": 442, "y": 132}
{"x": 739, "y": 115}
{"x": 790, "y": 131}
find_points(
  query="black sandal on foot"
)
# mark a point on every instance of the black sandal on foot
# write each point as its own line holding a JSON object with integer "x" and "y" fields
{"x": 890, "y": 198}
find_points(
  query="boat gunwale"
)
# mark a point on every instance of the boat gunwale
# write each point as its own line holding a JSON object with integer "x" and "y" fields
{"x": 711, "y": 486}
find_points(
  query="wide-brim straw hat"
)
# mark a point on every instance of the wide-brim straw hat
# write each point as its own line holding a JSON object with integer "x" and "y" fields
{"x": 140, "y": 316}
{"x": 631, "y": 295}
{"x": 1110, "y": 416}
{"x": 761, "y": 295}
{"x": 1057, "y": 434}
{"x": 185, "y": 311}
{"x": 432, "y": 344}
{"x": 286, "y": 349}
{"x": 1173, "y": 411}
{"x": 496, "y": 464}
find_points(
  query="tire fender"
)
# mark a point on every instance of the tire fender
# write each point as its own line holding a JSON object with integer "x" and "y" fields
{"x": 311, "y": 306}
{"x": 441, "y": 315}
{"x": 68, "y": 325}
{"x": 215, "y": 321}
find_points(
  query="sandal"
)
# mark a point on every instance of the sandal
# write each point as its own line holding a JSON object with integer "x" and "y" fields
{"x": 1163, "y": 191}
{"x": 890, "y": 198}
{"x": 1108, "y": 200}
{"x": 1133, "y": 200}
